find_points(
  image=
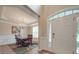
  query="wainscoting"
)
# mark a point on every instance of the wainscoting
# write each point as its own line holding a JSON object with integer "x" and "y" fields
{"x": 7, "y": 39}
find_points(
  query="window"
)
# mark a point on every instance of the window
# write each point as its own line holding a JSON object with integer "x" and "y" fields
{"x": 55, "y": 16}
{"x": 51, "y": 18}
{"x": 35, "y": 31}
{"x": 68, "y": 12}
{"x": 75, "y": 11}
{"x": 50, "y": 40}
{"x": 50, "y": 32}
{"x": 61, "y": 14}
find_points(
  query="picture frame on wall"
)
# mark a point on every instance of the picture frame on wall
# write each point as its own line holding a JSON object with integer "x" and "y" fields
{"x": 15, "y": 29}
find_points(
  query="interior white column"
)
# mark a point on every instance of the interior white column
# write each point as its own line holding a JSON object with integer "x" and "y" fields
{"x": 43, "y": 36}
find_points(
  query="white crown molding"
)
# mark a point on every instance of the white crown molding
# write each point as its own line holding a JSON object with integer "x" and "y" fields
{"x": 6, "y": 20}
{"x": 3, "y": 19}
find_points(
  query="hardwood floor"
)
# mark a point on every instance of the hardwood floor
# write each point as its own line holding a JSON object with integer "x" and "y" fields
{"x": 12, "y": 49}
{"x": 5, "y": 49}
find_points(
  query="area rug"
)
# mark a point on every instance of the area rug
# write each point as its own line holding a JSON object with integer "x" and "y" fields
{"x": 21, "y": 50}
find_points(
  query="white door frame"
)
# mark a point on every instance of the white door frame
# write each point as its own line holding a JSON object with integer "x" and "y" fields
{"x": 72, "y": 33}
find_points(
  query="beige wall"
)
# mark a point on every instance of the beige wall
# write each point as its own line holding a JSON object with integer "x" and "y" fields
{"x": 6, "y": 37}
{"x": 5, "y": 34}
{"x": 1, "y": 8}
{"x": 5, "y": 28}
{"x": 29, "y": 28}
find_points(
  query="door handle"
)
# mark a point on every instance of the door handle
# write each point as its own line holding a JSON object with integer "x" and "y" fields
{"x": 53, "y": 35}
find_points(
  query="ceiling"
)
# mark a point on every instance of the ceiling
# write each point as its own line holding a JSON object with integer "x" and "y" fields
{"x": 35, "y": 8}
{"x": 18, "y": 15}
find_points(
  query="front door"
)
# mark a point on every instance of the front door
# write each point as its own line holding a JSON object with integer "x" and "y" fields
{"x": 62, "y": 35}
